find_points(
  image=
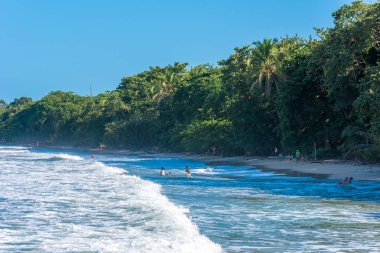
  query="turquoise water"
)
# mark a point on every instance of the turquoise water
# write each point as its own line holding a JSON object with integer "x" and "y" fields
{"x": 65, "y": 201}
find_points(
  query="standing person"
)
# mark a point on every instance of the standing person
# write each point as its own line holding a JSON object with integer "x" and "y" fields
{"x": 290, "y": 157}
{"x": 188, "y": 174}
{"x": 298, "y": 155}
{"x": 275, "y": 151}
{"x": 162, "y": 171}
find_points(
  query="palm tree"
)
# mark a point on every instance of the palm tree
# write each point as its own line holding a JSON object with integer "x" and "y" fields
{"x": 167, "y": 79}
{"x": 265, "y": 57}
{"x": 165, "y": 85}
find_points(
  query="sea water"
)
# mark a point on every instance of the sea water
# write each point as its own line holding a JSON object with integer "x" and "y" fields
{"x": 66, "y": 201}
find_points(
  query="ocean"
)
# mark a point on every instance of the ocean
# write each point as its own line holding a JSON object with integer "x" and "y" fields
{"x": 66, "y": 201}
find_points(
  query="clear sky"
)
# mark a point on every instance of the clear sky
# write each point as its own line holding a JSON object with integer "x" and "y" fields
{"x": 68, "y": 45}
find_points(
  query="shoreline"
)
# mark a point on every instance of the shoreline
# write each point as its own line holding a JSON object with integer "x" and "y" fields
{"x": 322, "y": 169}
{"x": 325, "y": 169}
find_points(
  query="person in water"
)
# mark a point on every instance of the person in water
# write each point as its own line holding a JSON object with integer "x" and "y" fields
{"x": 162, "y": 171}
{"x": 346, "y": 180}
{"x": 188, "y": 174}
{"x": 170, "y": 174}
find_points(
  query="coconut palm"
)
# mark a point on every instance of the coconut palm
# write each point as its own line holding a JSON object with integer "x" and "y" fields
{"x": 166, "y": 80}
{"x": 264, "y": 58}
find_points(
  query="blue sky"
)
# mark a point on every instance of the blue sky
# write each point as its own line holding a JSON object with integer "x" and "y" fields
{"x": 71, "y": 44}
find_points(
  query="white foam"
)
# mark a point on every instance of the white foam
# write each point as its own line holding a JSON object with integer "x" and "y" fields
{"x": 111, "y": 169}
{"x": 58, "y": 156}
{"x": 10, "y": 151}
{"x": 12, "y": 147}
{"x": 137, "y": 159}
{"x": 207, "y": 171}
{"x": 67, "y": 156}
{"x": 82, "y": 205}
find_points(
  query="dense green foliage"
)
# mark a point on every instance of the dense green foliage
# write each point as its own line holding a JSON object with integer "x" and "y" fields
{"x": 290, "y": 93}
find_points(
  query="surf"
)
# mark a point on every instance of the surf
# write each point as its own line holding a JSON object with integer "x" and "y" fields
{"x": 62, "y": 202}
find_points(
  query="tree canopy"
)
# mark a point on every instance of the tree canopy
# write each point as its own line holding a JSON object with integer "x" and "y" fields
{"x": 290, "y": 93}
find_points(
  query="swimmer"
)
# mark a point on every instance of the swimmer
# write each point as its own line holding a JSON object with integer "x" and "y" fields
{"x": 162, "y": 171}
{"x": 344, "y": 181}
{"x": 188, "y": 174}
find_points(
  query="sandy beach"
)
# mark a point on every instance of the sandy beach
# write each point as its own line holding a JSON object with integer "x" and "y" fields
{"x": 333, "y": 169}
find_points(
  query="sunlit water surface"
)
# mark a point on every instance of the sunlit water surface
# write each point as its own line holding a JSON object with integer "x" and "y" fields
{"x": 54, "y": 201}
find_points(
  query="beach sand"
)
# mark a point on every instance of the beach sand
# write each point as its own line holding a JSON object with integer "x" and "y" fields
{"x": 333, "y": 169}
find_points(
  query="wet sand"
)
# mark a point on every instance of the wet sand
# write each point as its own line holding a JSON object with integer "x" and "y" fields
{"x": 333, "y": 169}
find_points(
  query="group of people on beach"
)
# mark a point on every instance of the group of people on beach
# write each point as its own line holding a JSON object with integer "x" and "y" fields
{"x": 346, "y": 180}
{"x": 299, "y": 157}
{"x": 187, "y": 171}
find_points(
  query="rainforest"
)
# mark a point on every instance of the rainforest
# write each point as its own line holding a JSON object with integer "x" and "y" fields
{"x": 321, "y": 96}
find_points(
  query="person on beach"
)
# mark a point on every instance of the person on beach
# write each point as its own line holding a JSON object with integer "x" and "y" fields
{"x": 101, "y": 147}
{"x": 298, "y": 156}
{"x": 290, "y": 158}
{"x": 162, "y": 171}
{"x": 188, "y": 174}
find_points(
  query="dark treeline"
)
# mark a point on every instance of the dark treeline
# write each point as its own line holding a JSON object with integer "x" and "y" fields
{"x": 291, "y": 93}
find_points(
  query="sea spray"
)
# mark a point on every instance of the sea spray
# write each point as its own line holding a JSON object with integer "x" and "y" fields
{"x": 60, "y": 202}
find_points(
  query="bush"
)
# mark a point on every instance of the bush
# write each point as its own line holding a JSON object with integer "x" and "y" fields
{"x": 327, "y": 153}
{"x": 372, "y": 154}
{"x": 199, "y": 136}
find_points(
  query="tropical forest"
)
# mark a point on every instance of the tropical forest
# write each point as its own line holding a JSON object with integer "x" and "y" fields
{"x": 319, "y": 95}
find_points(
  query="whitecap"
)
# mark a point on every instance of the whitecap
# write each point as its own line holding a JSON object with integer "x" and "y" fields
{"x": 206, "y": 171}
{"x": 85, "y": 205}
